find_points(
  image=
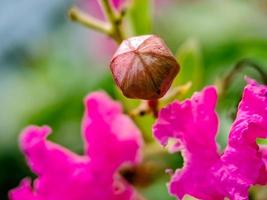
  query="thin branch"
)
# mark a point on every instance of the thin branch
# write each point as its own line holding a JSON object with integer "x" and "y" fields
{"x": 111, "y": 28}
{"x": 145, "y": 107}
{"x": 79, "y": 16}
{"x": 228, "y": 79}
{"x": 176, "y": 93}
{"x": 115, "y": 19}
{"x": 108, "y": 10}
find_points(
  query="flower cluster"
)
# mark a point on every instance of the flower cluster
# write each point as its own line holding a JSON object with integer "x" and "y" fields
{"x": 111, "y": 140}
{"x": 206, "y": 174}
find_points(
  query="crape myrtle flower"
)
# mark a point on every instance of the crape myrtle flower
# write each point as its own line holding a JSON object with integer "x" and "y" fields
{"x": 111, "y": 140}
{"x": 192, "y": 126}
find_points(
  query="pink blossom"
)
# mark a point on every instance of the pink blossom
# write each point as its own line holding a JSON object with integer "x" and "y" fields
{"x": 193, "y": 126}
{"x": 111, "y": 140}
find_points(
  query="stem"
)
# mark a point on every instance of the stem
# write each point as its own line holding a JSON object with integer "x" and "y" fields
{"x": 228, "y": 79}
{"x": 155, "y": 160}
{"x": 108, "y": 10}
{"x": 78, "y": 16}
{"x": 140, "y": 110}
{"x": 112, "y": 28}
{"x": 176, "y": 93}
{"x": 114, "y": 19}
{"x": 146, "y": 107}
{"x": 153, "y": 105}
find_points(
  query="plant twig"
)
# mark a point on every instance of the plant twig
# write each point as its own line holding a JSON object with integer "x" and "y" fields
{"x": 115, "y": 19}
{"x": 79, "y": 16}
{"x": 112, "y": 27}
{"x": 228, "y": 79}
{"x": 176, "y": 93}
{"x": 146, "y": 107}
{"x": 153, "y": 106}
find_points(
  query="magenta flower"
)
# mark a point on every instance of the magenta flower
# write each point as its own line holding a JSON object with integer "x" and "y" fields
{"x": 206, "y": 174}
{"x": 111, "y": 140}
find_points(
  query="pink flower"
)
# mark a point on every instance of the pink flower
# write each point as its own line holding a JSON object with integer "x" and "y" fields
{"x": 193, "y": 125}
{"x": 111, "y": 140}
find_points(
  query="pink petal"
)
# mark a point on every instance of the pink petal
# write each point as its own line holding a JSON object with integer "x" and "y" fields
{"x": 109, "y": 132}
{"x": 117, "y": 3}
{"x": 23, "y": 192}
{"x": 242, "y": 164}
{"x": 40, "y": 153}
{"x": 193, "y": 124}
{"x": 65, "y": 175}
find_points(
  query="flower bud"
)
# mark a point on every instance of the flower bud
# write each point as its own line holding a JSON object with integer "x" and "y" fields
{"x": 143, "y": 67}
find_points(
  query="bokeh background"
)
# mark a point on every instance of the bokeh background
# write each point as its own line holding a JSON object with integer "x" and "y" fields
{"x": 48, "y": 65}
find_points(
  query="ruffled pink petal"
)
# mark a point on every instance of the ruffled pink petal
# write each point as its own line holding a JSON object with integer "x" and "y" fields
{"x": 193, "y": 124}
{"x": 117, "y": 3}
{"x": 242, "y": 164}
{"x": 112, "y": 137}
{"x": 23, "y": 192}
{"x": 40, "y": 153}
{"x": 65, "y": 175}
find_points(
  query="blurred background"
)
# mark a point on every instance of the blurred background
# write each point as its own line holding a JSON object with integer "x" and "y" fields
{"x": 48, "y": 65}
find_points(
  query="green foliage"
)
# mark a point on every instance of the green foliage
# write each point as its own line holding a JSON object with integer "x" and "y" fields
{"x": 157, "y": 191}
{"x": 48, "y": 85}
{"x": 143, "y": 122}
{"x": 189, "y": 56}
{"x": 139, "y": 16}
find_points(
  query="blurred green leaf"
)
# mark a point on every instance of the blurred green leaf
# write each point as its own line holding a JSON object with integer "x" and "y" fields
{"x": 261, "y": 141}
{"x": 140, "y": 17}
{"x": 158, "y": 190}
{"x": 187, "y": 197}
{"x": 128, "y": 104}
{"x": 189, "y": 57}
{"x": 143, "y": 122}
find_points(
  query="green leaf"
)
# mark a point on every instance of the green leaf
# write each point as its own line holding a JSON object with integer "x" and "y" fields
{"x": 144, "y": 123}
{"x": 140, "y": 17}
{"x": 189, "y": 57}
{"x": 158, "y": 190}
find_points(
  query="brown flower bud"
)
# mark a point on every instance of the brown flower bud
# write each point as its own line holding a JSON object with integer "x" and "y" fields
{"x": 143, "y": 67}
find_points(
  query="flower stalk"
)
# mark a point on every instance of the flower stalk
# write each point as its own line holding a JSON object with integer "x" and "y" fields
{"x": 146, "y": 107}
{"x": 229, "y": 78}
{"x": 115, "y": 20}
{"x": 112, "y": 27}
{"x": 91, "y": 22}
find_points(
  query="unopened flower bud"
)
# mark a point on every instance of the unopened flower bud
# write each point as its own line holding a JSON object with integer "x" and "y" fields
{"x": 144, "y": 67}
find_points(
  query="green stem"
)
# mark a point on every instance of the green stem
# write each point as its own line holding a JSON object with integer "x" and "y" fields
{"x": 228, "y": 79}
{"x": 111, "y": 28}
{"x": 114, "y": 19}
{"x": 78, "y": 16}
